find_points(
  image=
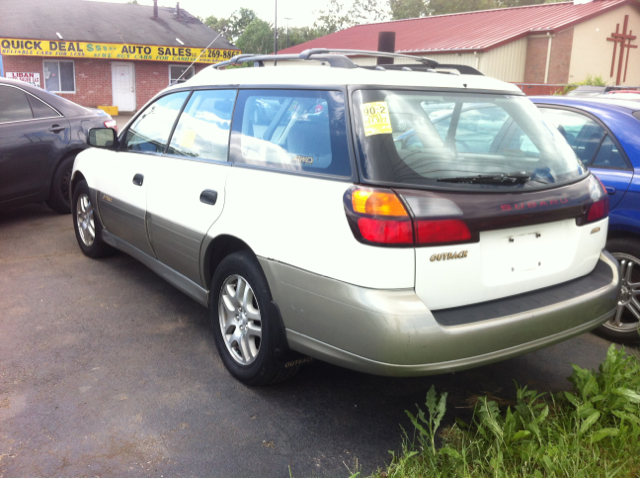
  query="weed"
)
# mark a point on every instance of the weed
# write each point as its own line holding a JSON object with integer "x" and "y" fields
{"x": 590, "y": 80}
{"x": 592, "y": 431}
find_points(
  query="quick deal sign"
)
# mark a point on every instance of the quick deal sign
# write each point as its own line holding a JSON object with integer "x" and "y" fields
{"x": 112, "y": 51}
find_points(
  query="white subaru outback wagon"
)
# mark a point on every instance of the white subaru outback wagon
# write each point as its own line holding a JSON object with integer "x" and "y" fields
{"x": 398, "y": 220}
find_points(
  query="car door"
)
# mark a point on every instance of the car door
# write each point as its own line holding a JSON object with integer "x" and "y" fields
{"x": 32, "y": 136}
{"x": 596, "y": 147}
{"x": 125, "y": 174}
{"x": 187, "y": 193}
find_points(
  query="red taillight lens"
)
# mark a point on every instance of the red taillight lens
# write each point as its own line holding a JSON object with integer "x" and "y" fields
{"x": 441, "y": 231}
{"x": 386, "y": 231}
{"x": 380, "y": 217}
{"x": 111, "y": 124}
{"x": 598, "y": 210}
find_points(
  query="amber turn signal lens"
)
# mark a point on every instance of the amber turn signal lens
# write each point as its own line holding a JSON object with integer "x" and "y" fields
{"x": 377, "y": 203}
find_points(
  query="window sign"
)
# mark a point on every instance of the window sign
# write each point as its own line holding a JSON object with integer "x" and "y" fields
{"x": 32, "y": 78}
{"x": 59, "y": 76}
{"x": 180, "y": 73}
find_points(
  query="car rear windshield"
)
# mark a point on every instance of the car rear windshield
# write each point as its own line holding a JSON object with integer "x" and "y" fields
{"x": 469, "y": 140}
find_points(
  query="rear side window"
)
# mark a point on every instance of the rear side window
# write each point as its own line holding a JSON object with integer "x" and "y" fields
{"x": 581, "y": 132}
{"x": 41, "y": 109}
{"x": 14, "y": 105}
{"x": 150, "y": 131}
{"x": 203, "y": 128}
{"x": 292, "y": 130}
{"x": 591, "y": 142}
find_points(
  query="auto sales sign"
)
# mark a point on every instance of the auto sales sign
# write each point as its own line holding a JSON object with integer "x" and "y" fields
{"x": 33, "y": 78}
{"x": 112, "y": 51}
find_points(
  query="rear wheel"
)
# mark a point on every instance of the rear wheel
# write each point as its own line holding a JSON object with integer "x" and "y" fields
{"x": 245, "y": 323}
{"x": 623, "y": 326}
{"x": 59, "y": 199}
{"x": 86, "y": 223}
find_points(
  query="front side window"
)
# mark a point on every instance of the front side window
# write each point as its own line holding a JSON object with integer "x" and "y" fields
{"x": 473, "y": 140}
{"x": 59, "y": 76}
{"x": 14, "y": 105}
{"x": 180, "y": 73}
{"x": 203, "y": 128}
{"x": 150, "y": 131}
{"x": 292, "y": 130}
{"x": 589, "y": 140}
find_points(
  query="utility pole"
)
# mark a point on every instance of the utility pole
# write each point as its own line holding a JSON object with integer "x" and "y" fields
{"x": 287, "y": 19}
{"x": 275, "y": 31}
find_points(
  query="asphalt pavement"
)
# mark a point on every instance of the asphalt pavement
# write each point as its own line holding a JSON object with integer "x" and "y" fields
{"x": 107, "y": 370}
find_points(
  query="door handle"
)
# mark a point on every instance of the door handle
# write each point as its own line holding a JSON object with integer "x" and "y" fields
{"x": 56, "y": 129}
{"x": 138, "y": 179}
{"x": 209, "y": 197}
{"x": 611, "y": 190}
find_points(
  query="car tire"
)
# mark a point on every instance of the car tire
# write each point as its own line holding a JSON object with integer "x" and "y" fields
{"x": 623, "y": 326}
{"x": 60, "y": 197}
{"x": 87, "y": 224}
{"x": 247, "y": 328}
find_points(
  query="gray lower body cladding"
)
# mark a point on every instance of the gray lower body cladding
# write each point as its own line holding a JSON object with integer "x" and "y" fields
{"x": 392, "y": 332}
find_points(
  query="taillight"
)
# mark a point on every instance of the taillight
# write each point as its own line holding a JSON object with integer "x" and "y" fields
{"x": 380, "y": 217}
{"x": 599, "y": 208}
{"x": 111, "y": 124}
{"x": 441, "y": 231}
{"x": 386, "y": 231}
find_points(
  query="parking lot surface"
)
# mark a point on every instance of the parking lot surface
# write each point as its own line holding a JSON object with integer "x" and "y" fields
{"x": 107, "y": 370}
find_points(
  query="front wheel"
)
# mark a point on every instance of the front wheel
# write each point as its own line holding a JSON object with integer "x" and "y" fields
{"x": 59, "y": 199}
{"x": 86, "y": 223}
{"x": 245, "y": 323}
{"x": 623, "y": 326}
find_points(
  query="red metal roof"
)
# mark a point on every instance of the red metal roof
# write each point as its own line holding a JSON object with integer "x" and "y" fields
{"x": 472, "y": 31}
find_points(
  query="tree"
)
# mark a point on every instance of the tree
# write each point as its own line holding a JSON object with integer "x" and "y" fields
{"x": 257, "y": 37}
{"x": 339, "y": 16}
{"x": 333, "y": 19}
{"x": 217, "y": 24}
{"x": 401, "y": 9}
{"x": 418, "y": 8}
{"x": 231, "y": 28}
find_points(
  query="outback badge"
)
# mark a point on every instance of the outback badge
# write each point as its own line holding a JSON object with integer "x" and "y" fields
{"x": 447, "y": 256}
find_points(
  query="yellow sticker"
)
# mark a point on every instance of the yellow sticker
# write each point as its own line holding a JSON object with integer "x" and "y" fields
{"x": 188, "y": 138}
{"x": 376, "y": 118}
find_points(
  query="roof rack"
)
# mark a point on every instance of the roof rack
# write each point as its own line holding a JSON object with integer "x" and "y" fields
{"x": 339, "y": 58}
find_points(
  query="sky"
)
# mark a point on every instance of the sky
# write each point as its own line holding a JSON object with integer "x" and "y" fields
{"x": 300, "y": 11}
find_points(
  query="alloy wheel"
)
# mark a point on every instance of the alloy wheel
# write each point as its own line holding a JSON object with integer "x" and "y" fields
{"x": 627, "y": 317}
{"x": 85, "y": 220}
{"x": 240, "y": 319}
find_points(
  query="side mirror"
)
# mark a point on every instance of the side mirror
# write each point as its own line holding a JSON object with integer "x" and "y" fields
{"x": 102, "y": 137}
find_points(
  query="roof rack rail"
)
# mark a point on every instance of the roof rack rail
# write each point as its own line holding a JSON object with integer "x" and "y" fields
{"x": 338, "y": 58}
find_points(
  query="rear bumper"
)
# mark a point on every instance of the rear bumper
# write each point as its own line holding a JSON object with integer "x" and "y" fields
{"x": 393, "y": 333}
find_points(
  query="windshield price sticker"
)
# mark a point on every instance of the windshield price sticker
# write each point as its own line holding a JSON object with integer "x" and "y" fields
{"x": 376, "y": 118}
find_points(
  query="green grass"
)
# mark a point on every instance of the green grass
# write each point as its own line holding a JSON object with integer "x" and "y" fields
{"x": 592, "y": 431}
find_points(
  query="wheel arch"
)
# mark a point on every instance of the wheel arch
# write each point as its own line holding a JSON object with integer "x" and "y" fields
{"x": 218, "y": 249}
{"x": 623, "y": 234}
{"x": 75, "y": 179}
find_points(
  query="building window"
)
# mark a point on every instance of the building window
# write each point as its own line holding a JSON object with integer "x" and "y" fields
{"x": 59, "y": 76}
{"x": 180, "y": 73}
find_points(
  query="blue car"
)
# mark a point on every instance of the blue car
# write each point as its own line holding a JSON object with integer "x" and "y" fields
{"x": 605, "y": 135}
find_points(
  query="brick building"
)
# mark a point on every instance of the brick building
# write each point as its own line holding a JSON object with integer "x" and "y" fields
{"x": 98, "y": 53}
{"x": 557, "y": 43}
